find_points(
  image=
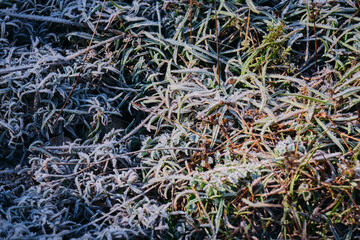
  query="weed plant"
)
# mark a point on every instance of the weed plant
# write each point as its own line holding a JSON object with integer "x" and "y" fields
{"x": 186, "y": 122}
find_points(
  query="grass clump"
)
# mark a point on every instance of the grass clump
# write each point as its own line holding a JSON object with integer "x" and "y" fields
{"x": 243, "y": 124}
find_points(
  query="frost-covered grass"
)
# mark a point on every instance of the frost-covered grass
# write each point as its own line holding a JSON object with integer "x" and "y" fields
{"x": 151, "y": 145}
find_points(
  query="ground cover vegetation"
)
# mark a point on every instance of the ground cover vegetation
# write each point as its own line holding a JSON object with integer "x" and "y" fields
{"x": 191, "y": 119}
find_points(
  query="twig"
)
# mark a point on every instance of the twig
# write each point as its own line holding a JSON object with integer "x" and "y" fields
{"x": 306, "y": 64}
{"x": 120, "y": 155}
{"x": 173, "y": 121}
{"x": 307, "y": 37}
{"x": 247, "y": 27}
{"x": 322, "y": 46}
{"x": 38, "y": 18}
{"x": 346, "y": 31}
{"x": 217, "y": 45}
{"x": 314, "y": 21}
{"x": 137, "y": 127}
{"x": 20, "y": 68}
{"x": 203, "y": 208}
{"x": 83, "y": 51}
{"x": 51, "y": 20}
{"x": 191, "y": 30}
{"x": 141, "y": 124}
{"x": 83, "y": 64}
{"x": 66, "y": 147}
{"x": 60, "y": 61}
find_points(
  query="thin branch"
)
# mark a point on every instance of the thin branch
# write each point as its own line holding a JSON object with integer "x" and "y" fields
{"x": 247, "y": 27}
{"x": 84, "y": 51}
{"x": 203, "y": 208}
{"x": 142, "y": 123}
{"x": 217, "y": 45}
{"x": 83, "y": 64}
{"x": 61, "y": 61}
{"x": 68, "y": 147}
{"x": 314, "y": 21}
{"x": 190, "y": 19}
{"x": 20, "y": 68}
{"x": 38, "y": 18}
{"x": 118, "y": 156}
